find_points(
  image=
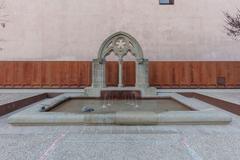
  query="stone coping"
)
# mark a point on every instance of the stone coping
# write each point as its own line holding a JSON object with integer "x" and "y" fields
{"x": 203, "y": 114}
{"x": 145, "y": 91}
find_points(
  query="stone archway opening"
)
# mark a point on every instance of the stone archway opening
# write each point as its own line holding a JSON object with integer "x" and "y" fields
{"x": 128, "y": 73}
{"x": 120, "y": 44}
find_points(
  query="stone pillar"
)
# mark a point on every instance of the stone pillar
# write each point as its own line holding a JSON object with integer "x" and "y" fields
{"x": 120, "y": 80}
{"x": 142, "y": 74}
{"x": 98, "y": 74}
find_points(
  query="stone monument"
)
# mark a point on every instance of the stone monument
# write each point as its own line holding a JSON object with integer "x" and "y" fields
{"x": 120, "y": 44}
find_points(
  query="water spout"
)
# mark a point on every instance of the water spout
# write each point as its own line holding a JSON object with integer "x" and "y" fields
{"x": 135, "y": 100}
{"x": 109, "y": 100}
{"x": 104, "y": 102}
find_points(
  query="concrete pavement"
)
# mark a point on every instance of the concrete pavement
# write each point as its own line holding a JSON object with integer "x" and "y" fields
{"x": 175, "y": 142}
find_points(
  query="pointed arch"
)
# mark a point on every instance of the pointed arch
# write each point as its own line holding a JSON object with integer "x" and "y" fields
{"x": 120, "y": 44}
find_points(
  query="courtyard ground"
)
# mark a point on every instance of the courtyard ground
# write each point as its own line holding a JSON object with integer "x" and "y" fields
{"x": 162, "y": 142}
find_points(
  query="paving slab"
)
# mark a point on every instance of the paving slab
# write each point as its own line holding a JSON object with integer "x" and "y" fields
{"x": 231, "y": 97}
{"x": 6, "y": 98}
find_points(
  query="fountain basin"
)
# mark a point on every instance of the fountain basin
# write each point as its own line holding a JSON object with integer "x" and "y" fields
{"x": 193, "y": 112}
{"x": 100, "y": 106}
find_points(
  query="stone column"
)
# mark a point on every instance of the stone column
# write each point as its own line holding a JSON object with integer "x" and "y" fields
{"x": 142, "y": 74}
{"x": 120, "y": 80}
{"x": 98, "y": 74}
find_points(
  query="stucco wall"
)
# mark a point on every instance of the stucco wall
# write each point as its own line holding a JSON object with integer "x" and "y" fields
{"x": 75, "y": 29}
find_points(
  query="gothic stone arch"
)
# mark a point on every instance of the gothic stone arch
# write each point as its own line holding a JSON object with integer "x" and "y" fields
{"x": 120, "y": 44}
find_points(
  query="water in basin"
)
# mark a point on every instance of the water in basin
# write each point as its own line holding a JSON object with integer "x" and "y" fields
{"x": 112, "y": 106}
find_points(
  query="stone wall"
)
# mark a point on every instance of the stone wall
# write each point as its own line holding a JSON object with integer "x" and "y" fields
{"x": 75, "y": 29}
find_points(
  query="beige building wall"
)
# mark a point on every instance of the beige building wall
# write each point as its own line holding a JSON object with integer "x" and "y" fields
{"x": 75, "y": 29}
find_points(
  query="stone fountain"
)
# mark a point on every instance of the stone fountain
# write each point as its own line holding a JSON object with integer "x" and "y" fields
{"x": 120, "y": 44}
{"x": 119, "y": 109}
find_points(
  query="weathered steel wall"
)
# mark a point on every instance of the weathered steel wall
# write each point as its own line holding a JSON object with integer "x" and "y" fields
{"x": 77, "y": 74}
